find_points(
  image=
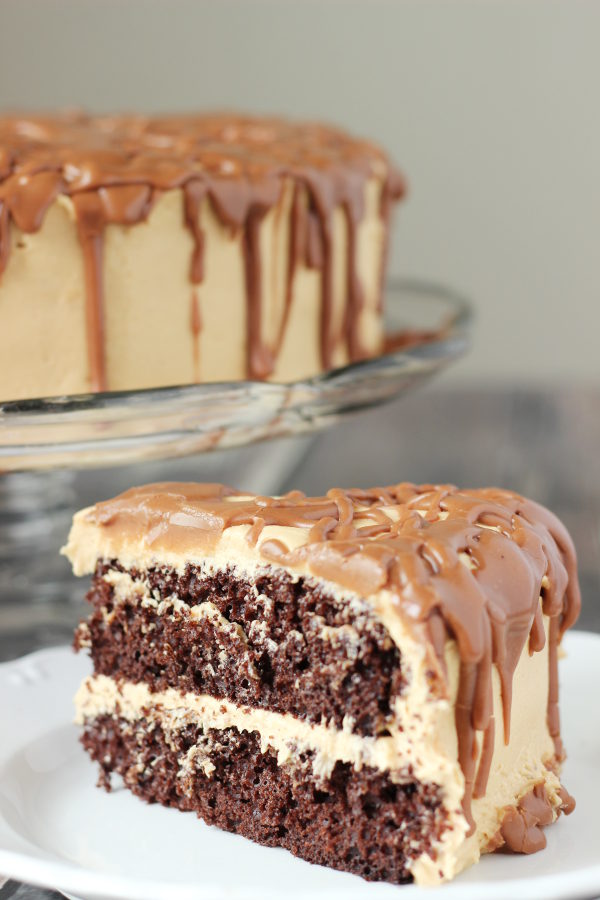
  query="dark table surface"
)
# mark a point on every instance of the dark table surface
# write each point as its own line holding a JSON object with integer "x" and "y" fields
{"x": 544, "y": 443}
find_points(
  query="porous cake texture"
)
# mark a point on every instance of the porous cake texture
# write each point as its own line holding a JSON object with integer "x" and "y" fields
{"x": 137, "y": 252}
{"x": 368, "y": 679}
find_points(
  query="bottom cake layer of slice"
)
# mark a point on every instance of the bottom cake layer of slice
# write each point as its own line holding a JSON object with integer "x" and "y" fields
{"x": 357, "y": 821}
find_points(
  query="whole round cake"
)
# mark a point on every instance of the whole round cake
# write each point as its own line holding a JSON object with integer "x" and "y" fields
{"x": 138, "y": 252}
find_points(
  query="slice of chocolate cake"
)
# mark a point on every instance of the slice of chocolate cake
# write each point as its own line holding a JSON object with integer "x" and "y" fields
{"x": 368, "y": 679}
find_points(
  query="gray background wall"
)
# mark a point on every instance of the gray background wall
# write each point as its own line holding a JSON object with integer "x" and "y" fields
{"x": 490, "y": 107}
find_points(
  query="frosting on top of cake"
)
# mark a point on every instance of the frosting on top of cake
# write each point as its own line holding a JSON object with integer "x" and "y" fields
{"x": 80, "y": 152}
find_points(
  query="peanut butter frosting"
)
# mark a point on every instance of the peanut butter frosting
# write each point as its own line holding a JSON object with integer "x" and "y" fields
{"x": 114, "y": 169}
{"x": 481, "y": 568}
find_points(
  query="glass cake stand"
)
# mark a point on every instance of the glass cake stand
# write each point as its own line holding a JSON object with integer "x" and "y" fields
{"x": 51, "y": 449}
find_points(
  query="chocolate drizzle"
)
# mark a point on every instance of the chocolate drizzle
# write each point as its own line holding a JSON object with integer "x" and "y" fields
{"x": 478, "y": 566}
{"x": 521, "y": 826}
{"x": 260, "y": 360}
{"x": 114, "y": 168}
{"x": 90, "y": 228}
{"x": 194, "y": 193}
{"x": 195, "y": 328}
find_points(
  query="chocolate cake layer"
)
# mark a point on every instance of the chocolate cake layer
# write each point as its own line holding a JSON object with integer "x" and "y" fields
{"x": 280, "y": 644}
{"x": 357, "y": 821}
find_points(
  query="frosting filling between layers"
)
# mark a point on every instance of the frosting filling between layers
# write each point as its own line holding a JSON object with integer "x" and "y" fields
{"x": 282, "y": 732}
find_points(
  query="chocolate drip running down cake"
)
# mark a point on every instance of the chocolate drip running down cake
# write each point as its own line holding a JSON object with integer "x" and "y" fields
{"x": 368, "y": 679}
{"x": 138, "y": 252}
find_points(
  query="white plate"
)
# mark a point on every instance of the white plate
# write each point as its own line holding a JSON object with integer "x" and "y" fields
{"x": 58, "y": 830}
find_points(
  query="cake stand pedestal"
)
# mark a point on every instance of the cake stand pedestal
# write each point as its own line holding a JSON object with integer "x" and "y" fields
{"x": 61, "y": 453}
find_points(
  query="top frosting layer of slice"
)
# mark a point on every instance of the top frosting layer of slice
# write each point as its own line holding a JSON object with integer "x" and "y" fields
{"x": 434, "y": 548}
